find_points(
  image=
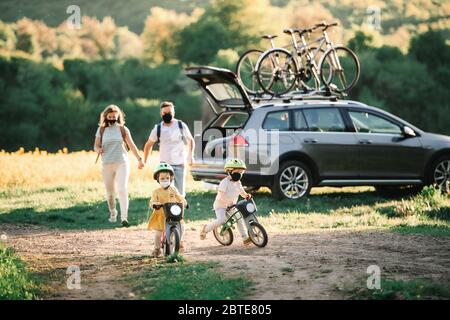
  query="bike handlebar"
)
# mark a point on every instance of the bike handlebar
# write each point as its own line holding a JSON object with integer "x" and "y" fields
{"x": 156, "y": 206}
{"x": 324, "y": 25}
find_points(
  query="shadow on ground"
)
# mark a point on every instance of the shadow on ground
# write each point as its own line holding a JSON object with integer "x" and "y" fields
{"x": 95, "y": 215}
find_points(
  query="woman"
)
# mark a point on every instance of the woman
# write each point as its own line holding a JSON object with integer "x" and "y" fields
{"x": 111, "y": 140}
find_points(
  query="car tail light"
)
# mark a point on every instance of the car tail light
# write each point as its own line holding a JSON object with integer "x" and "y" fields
{"x": 238, "y": 140}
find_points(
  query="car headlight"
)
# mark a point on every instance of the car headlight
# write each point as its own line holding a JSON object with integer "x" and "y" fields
{"x": 250, "y": 207}
{"x": 175, "y": 210}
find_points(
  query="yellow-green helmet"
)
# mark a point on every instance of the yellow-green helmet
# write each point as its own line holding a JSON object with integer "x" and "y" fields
{"x": 234, "y": 164}
{"x": 162, "y": 167}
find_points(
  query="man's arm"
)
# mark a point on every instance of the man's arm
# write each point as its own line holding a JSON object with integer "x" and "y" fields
{"x": 148, "y": 149}
{"x": 191, "y": 150}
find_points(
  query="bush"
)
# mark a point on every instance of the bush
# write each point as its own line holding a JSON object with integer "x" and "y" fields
{"x": 431, "y": 203}
{"x": 16, "y": 282}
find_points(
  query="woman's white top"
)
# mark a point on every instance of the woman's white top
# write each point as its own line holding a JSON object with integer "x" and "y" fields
{"x": 114, "y": 150}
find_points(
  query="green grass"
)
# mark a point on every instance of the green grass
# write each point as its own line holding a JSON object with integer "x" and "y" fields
{"x": 16, "y": 282}
{"x": 431, "y": 230}
{"x": 74, "y": 207}
{"x": 187, "y": 281}
{"x": 420, "y": 289}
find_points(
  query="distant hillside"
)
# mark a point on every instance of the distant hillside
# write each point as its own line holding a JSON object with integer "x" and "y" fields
{"x": 400, "y": 19}
{"x": 131, "y": 13}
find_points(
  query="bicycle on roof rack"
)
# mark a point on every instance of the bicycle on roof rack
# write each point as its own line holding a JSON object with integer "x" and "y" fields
{"x": 245, "y": 67}
{"x": 279, "y": 70}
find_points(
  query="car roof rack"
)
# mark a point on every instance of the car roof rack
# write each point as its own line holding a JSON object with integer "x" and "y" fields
{"x": 298, "y": 95}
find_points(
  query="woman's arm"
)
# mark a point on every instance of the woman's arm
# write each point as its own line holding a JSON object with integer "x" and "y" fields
{"x": 97, "y": 146}
{"x": 134, "y": 149}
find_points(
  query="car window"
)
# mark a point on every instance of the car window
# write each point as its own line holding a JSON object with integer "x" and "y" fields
{"x": 235, "y": 120}
{"x": 369, "y": 123}
{"x": 324, "y": 120}
{"x": 223, "y": 91}
{"x": 300, "y": 121}
{"x": 277, "y": 121}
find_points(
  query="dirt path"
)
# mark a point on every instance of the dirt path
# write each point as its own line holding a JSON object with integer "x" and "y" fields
{"x": 293, "y": 266}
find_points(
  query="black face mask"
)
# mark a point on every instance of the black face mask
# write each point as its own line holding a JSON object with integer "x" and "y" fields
{"x": 236, "y": 176}
{"x": 167, "y": 117}
{"x": 111, "y": 122}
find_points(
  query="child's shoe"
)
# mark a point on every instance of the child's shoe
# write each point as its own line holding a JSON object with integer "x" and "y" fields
{"x": 247, "y": 241}
{"x": 203, "y": 233}
{"x": 125, "y": 224}
{"x": 156, "y": 253}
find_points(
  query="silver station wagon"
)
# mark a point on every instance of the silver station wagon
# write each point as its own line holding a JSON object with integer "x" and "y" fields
{"x": 296, "y": 142}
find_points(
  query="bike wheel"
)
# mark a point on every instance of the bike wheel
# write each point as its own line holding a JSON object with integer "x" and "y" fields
{"x": 258, "y": 235}
{"x": 246, "y": 70}
{"x": 340, "y": 69}
{"x": 226, "y": 238}
{"x": 277, "y": 72}
{"x": 172, "y": 242}
{"x": 306, "y": 76}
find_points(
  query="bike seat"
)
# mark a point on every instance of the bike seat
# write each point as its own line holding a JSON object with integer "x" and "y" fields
{"x": 303, "y": 31}
{"x": 289, "y": 31}
{"x": 269, "y": 37}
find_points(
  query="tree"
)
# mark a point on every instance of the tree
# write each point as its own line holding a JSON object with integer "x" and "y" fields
{"x": 161, "y": 28}
{"x": 431, "y": 49}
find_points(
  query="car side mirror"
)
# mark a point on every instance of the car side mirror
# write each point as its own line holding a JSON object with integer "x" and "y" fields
{"x": 408, "y": 132}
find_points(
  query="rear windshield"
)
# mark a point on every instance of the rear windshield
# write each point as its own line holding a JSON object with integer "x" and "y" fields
{"x": 224, "y": 92}
{"x": 231, "y": 120}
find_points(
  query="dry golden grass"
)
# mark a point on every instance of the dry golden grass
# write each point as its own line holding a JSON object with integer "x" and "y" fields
{"x": 39, "y": 168}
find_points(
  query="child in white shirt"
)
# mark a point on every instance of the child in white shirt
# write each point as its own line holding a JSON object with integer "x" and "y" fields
{"x": 228, "y": 193}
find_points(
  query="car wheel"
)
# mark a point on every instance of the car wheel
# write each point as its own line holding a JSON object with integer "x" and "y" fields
{"x": 440, "y": 173}
{"x": 293, "y": 181}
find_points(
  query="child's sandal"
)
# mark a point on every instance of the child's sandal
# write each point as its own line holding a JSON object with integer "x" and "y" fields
{"x": 203, "y": 233}
{"x": 156, "y": 253}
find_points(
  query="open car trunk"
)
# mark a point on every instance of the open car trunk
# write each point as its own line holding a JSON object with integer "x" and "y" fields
{"x": 231, "y": 106}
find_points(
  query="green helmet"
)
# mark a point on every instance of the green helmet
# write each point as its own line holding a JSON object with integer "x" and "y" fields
{"x": 235, "y": 164}
{"x": 162, "y": 167}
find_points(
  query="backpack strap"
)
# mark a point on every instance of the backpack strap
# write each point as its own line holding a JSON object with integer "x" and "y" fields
{"x": 180, "y": 125}
{"x": 102, "y": 131}
{"x": 158, "y": 132}
{"x": 124, "y": 134}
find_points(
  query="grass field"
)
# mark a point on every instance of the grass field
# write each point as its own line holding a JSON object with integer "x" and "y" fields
{"x": 64, "y": 191}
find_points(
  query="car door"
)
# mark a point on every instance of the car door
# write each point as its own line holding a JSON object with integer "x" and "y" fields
{"x": 385, "y": 151}
{"x": 323, "y": 135}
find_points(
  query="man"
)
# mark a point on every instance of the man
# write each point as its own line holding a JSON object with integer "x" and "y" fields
{"x": 174, "y": 138}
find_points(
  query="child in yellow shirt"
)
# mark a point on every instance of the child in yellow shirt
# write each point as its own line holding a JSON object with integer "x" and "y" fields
{"x": 164, "y": 174}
